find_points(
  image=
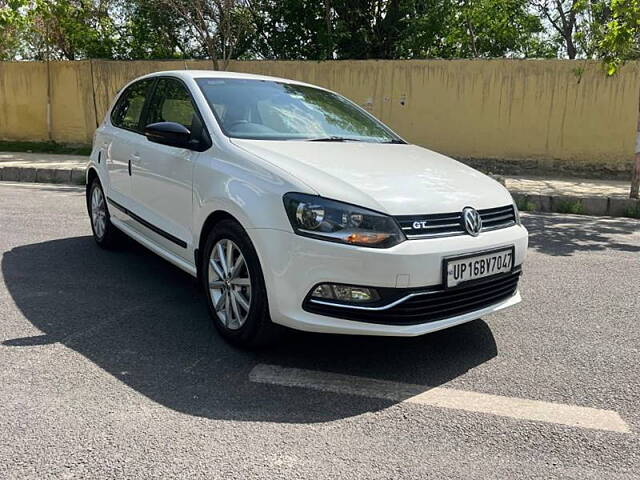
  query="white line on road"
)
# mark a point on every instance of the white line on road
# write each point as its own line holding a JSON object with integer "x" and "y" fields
{"x": 48, "y": 186}
{"x": 519, "y": 408}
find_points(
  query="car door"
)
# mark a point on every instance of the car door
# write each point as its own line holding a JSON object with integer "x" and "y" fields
{"x": 119, "y": 136}
{"x": 162, "y": 176}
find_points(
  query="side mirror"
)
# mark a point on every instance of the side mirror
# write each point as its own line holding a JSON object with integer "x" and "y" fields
{"x": 168, "y": 133}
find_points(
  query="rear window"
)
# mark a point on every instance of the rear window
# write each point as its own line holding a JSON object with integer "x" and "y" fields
{"x": 126, "y": 113}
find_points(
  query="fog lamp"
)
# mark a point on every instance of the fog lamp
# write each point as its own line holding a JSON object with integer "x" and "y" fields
{"x": 345, "y": 293}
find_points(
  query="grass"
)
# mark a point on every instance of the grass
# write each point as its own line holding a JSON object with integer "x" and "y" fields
{"x": 525, "y": 205}
{"x": 570, "y": 206}
{"x": 632, "y": 212}
{"x": 44, "y": 147}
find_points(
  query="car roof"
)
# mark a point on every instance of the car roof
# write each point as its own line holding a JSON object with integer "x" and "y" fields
{"x": 223, "y": 74}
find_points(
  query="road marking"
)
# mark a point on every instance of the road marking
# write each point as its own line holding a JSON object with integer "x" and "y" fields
{"x": 519, "y": 408}
{"x": 50, "y": 186}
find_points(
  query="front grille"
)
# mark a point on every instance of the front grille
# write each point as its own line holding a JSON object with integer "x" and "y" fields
{"x": 428, "y": 305}
{"x": 450, "y": 224}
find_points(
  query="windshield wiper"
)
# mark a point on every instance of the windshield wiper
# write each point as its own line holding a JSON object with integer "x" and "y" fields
{"x": 334, "y": 139}
{"x": 349, "y": 139}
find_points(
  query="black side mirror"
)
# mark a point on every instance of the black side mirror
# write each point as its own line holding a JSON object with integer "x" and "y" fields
{"x": 168, "y": 133}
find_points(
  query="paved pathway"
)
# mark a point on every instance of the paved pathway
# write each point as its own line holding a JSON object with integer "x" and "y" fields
{"x": 564, "y": 195}
{"x": 569, "y": 186}
{"x": 41, "y": 160}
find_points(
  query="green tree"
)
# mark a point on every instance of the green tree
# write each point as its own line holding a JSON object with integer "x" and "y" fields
{"x": 12, "y": 25}
{"x": 369, "y": 29}
{"x": 149, "y": 32}
{"x": 293, "y": 29}
{"x": 382, "y": 29}
{"x": 621, "y": 39}
{"x": 575, "y": 27}
{"x": 590, "y": 30}
{"x": 319, "y": 29}
{"x": 425, "y": 29}
{"x": 493, "y": 28}
{"x": 220, "y": 28}
{"x": 69, "y": 30}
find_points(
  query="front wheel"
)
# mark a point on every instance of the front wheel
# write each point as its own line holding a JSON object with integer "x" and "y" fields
{"x": 236, "y": 293}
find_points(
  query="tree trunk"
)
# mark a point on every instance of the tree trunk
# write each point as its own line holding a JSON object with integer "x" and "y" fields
{"x": 572, "y": 51}
{"x": 635, "y": 178}
{"x": 472, "y": 36}
{"x": 211, "y": 50}
{"x": 328, "y": 25}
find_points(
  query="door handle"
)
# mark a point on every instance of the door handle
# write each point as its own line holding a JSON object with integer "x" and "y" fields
{"x": 134, "y": 157}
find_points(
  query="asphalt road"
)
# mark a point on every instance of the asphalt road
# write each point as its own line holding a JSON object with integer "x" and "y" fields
{"x": 110, "y": 368}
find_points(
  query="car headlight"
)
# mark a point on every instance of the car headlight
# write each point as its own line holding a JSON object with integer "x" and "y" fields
{"x": 317, "y": 217}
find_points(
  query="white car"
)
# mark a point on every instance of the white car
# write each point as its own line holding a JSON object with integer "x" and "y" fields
{"x": 297, "y": 208}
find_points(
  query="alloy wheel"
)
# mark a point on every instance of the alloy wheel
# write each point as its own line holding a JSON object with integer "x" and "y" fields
{"x": 229, "y": 284}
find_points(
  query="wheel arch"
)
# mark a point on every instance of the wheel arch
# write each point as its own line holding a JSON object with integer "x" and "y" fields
{"x": 210, "y": 222}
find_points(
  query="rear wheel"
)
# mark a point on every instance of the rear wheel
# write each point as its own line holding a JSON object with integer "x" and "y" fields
{"x": 235, "y": 288}
{"x": 104, "y": 233}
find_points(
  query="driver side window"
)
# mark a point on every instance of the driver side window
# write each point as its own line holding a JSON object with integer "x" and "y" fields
{"x": 171, "y": 102}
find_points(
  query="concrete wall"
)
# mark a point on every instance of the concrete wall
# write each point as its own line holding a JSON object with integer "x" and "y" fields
{"x": 23, "y": 101}
{"x": 549, "y": 114}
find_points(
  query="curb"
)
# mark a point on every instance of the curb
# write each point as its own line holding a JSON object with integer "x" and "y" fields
{"x": 598, "y": 206}
{"x": 72, "y": 176}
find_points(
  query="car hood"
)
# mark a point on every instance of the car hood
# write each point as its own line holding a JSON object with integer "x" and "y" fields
{"x": 391, "y": 178}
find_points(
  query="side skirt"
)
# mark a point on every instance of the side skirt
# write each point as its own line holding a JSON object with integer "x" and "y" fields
{"x": 150, "y": 226}
{"x": 154, "y": 247}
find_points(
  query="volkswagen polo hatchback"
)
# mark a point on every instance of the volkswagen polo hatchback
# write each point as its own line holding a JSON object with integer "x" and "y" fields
{"x": 297, "y": 208}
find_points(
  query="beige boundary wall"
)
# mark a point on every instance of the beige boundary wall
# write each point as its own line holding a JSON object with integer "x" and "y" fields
{"x": 544, "y": 113}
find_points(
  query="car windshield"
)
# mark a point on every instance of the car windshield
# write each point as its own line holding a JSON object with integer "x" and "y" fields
{"x": 269, "y": 110}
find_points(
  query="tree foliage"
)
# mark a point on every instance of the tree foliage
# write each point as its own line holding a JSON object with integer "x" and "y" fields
{"x": 621, "y": 40}
{"x": 12, "y": 25}
{"x": 69, "y": 29}
{"x": 219, "y": 27}
{"x": 149, "y": 32}
{"x": 319, "y": 29}
{"x": 493, "y": 28}
{"x": 293, "y": 29}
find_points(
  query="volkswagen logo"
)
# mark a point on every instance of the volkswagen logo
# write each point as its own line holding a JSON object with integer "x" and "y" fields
{"x": 472, "y": 221}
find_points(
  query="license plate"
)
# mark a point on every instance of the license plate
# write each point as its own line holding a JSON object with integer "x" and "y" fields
{"x": 472, "y": 267}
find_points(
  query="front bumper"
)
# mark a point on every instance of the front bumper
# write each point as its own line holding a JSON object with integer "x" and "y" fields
{"x": 293, "y": 265}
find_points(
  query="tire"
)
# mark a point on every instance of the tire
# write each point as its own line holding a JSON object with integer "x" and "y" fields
{"x": 237, "y": 297}
{"x": 104, "y": 233}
